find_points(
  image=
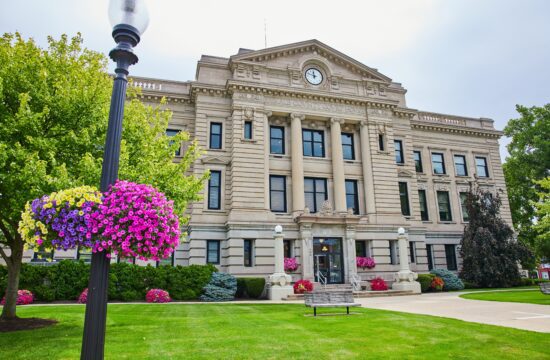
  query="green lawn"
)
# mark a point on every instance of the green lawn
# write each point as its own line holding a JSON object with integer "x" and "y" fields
{"x": 226, "y": 331}
{"x": 521, "y": 296}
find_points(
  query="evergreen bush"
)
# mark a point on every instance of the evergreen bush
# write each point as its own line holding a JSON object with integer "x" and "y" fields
{"x": 66, "y": 279}
{"x": 425, "y": 281}
{"x": 241, "y": 288}
{"x": 254, "y": 287}
{"x": 452, "y": 282}
{"x": 222, "y": 287}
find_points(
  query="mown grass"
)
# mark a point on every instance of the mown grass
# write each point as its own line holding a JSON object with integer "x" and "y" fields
{"x": 258, "y": 331}
{"x": 521, "y": 296}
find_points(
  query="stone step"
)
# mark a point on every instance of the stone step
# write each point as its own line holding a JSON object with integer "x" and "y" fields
{"x": 362, "y": 294}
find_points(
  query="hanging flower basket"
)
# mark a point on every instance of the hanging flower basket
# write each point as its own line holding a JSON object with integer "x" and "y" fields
{"x": 291, "y": 264}
{"x": 134, "y": 220}
{"x": 60, "y": 220}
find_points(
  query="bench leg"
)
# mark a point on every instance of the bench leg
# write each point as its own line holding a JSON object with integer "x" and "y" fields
{"x": 314, "y": 311}
{"x": 347, "y": 309}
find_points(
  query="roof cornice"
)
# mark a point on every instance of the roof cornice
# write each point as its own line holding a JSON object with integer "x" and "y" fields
{"x": 420, "y": 125}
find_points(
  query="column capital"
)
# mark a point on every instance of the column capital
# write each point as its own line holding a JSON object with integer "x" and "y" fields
{"x": 364, "y": 123}
{"x": 336, "y": 120}
{"x": 297, "y": 116}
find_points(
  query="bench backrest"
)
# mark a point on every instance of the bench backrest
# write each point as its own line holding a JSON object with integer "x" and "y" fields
{"x": 329, "y": 297}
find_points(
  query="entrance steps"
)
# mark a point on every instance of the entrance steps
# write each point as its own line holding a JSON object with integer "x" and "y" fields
{"x": 356, "y": 294}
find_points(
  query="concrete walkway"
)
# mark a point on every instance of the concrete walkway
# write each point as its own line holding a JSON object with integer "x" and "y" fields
{"x": 516, "y": 315}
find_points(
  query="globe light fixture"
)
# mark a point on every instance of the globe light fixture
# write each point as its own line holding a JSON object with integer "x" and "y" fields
{"x": 129, "y": 19}
{"x": 401, "y": 231}
{"x": 278, "y": 229}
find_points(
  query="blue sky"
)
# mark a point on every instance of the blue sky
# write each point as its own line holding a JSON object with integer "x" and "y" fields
{"x": 462, "y": 57}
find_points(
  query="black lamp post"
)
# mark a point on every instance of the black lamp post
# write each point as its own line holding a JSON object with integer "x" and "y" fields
{"x": 129, "y": 19}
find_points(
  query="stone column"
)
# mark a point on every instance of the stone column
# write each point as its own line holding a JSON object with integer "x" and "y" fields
{"x": 338, "y": 165}
{"x": 404, "y": 280}
{"x": 266, "y": 138}
{"x": 307, "y": 252}
{"x": 279, "y": 282}
{"x": 297, "y": 158}
{"x": 368, "y": 180}
{"x": 351, "y": 264}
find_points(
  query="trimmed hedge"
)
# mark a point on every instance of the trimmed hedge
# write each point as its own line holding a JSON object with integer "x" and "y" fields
{"x": 127, "y": 282}
{"x": 452, "y": 282}
{"x": 425, "y": 281}
{"x": 254, "y": 287}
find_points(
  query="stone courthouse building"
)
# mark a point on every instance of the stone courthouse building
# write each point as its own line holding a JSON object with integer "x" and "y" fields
{"x": 307, "y": 137}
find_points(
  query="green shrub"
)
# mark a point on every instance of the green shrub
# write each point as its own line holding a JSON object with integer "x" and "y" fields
{"x": 254, "y": 287}
{"x": 222, "y": 287}
{"x": 66, "y": 279}
{"x": 241, "y": 288}
{"x": 452, "y": 282}
{"x": 425, "y": 281}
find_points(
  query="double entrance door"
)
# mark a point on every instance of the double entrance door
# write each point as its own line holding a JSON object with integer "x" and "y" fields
{"x": 328, "y": 260}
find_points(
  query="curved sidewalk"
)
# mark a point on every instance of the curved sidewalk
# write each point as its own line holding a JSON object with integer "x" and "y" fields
{"x": 516, "y": 315}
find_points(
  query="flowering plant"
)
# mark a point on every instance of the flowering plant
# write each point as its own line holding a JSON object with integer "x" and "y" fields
{"x": 157, "y": 296}
{"x": 365, "y": 262}
{"x": 378, "y": 284}
{"x": 59, "y": 220}
{"x": 83, "y": 298}
{"x": 437, "y": 284}
{"x": 24, "y": 297}
{"x": 135, "y": 220}
{"x": 302, "y": 286}
{"x": 291, "y": 264}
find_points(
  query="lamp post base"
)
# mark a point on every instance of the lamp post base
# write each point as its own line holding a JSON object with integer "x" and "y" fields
{"x": 405, "y": 281}
{"x": 279, "y": 286}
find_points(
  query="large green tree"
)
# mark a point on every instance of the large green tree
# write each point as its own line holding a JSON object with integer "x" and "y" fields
{"x": 54, "y": 106}
{"x": 528, "y": 162}
{"x": 542, "y": 227}
{"x": 490, "y": 254}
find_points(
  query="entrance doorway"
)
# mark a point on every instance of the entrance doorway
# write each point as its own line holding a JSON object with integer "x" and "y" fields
{"x": 328, "y": 259}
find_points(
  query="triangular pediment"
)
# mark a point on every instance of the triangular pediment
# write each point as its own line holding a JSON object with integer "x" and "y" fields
{"x": 310, "y": 46}
{"x": 215, "y": 160}
{"x": 404, "y": 173}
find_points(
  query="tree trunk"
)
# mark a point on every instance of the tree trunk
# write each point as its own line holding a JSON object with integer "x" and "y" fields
{"x": 14, "y": 270}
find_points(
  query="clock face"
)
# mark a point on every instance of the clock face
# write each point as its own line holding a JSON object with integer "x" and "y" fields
{"x": 314, "y": 76}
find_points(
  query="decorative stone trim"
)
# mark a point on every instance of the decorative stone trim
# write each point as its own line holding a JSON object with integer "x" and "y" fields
{"x": 456, "y": 130}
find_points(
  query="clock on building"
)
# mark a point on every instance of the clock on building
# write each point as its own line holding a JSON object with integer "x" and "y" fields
{"x": 314, "y": 76}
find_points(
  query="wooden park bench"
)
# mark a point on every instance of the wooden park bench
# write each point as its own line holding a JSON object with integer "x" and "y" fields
{"x": 545, "y": 288}
{"x": 330, "y": 298}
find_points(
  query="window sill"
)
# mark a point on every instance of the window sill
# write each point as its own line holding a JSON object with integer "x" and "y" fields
{"x": 427, "y": 222}
{"x": 279, "y": 156}
{"x": 250, "y": 141}
{"x": 447, "y": 222}
{"x": 216, "y": 150}
{"x": 214, "y": 211}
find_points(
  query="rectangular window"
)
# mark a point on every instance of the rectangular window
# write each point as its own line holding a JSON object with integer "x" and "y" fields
{"x": 314, "y": 143}
{"x": 463, "y": 198}
{"x": 215, "y": 135}
{"x": 277, "y": 193}
{"x": 418, "y": 161}
{"x": 393, "y": 252}
{"x": 277, "y": 140}
{"x": 352, "y": 199}
{"x": 248, "y": 130}
{"x": 42, "y": 255}
{"x": 399, "y": 159}
{"x": 430, "y": 253}
{"x": 404, "y": 197}
{"x": 347, "y": 146}
{"x": 460, "y": 165}
{"x": 287, "y": 247}
{"x": 212, "y": 251}
{"x": 438, "y": 163}
{"x": 248, "y": 252}
{"x": 360, "y": 248}
{"x": 315, "y": 193}
{"x": 412, "y": 251}
{"x": 450, "y": 254}
{"x": 166, "y": 262}
{"x": 381, "y": 142}
{"x": 423, "y": 205}
{"x": 481, "y": 167}
{"x": 214, "y": 190}
{"x": 84, "y": 254}
{"x": 172, "y": 132}
{"x": 444, "y": 206}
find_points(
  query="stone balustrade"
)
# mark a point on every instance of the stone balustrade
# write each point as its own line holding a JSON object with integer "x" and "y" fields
{"x": 480, "y": 123}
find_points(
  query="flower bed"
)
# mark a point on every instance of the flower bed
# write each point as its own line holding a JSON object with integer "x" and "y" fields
{"x": 157, "y": 296}
{"x": 83, "y": 298}
{"x": 303, "y": 286}
{"x": 378, "y": 284}
{"x": 24, "y": 297}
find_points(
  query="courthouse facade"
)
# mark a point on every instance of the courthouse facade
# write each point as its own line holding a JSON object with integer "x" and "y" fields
{"x": 307, "y": 137}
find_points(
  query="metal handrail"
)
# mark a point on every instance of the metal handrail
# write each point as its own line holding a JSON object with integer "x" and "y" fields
{"x": 322, "y": 279}
{"x": 355, "y": 281}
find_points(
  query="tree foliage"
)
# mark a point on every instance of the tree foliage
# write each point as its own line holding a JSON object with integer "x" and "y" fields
{"x": 54, "y": 106}
{"x": 542, "y": 228}
{"x": 528, "y": 162}
{"x": 490, "y": 254}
